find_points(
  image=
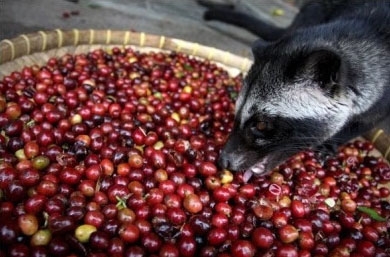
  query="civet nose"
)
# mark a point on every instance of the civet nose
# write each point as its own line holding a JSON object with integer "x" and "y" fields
{"x": 223, "y": 161}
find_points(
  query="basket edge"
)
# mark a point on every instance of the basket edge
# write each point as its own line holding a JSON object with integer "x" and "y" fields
{"x": 27, "y": 44}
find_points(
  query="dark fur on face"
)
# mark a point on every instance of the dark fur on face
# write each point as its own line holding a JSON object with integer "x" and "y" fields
{"x": 317, "y": 85}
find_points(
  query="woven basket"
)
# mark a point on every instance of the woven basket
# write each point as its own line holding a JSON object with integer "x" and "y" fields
{"x": 37, "y": 48}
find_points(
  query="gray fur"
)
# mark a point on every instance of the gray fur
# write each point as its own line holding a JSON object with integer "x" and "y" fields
{"x": 318, "y": 85}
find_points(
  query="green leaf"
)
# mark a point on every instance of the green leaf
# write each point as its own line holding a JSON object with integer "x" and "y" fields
{"x": 121, "y": 204}
{"x": 188, "y": 67}
{"x": 233, "y": 95}
{"x": 372, "y": 213}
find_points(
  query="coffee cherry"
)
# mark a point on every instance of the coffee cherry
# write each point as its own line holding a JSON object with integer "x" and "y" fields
{"x": 192, "y": 203}
{"x": 242, "y": 248}
{"x": 129, "y": 233}
{"x": 263, "y": 211}
{"x": 288, "y": 234}
{"x": 262, "y": 237}
{"x": 217, "y": 236}
{"x": 41, "y": 238}
{"x": 9, "y": 232}
{"x": 99, "y": 240}
{"x": 83, "y": 232}
{"x": 151, "y": 242}
{"x": 113, "y": 153}
{"x": 287, "y": 250}
{"x": 28, "y": 224}
{"x": 297, "y": 209}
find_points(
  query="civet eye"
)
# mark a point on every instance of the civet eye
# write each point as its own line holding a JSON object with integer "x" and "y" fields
{"x": 262, "y": 125}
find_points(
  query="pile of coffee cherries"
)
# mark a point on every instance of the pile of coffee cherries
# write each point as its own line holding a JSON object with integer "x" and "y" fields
{"x": 113, "y": 153}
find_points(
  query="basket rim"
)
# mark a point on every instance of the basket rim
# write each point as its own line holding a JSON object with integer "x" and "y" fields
{"x": 41, "y": 41}
{"x": 44, "y": 41}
